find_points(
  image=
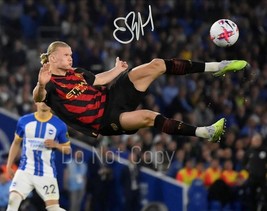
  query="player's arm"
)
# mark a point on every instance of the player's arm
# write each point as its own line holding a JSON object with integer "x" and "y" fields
{"x": 39, "y": 92}
{"x": 44, "y": 77}
{"x": 61, "y": 142}
{"x": 106, "y": 77}
{"x": 13, "y": 152}
{"x": 64, "y": 147}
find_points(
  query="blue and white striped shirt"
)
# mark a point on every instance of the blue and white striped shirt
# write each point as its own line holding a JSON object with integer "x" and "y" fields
{"x": 37, "y": 159}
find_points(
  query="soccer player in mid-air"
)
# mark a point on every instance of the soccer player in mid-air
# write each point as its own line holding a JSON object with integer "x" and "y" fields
{"x": 40, "y": 133}
{"x": 82, "y": 100}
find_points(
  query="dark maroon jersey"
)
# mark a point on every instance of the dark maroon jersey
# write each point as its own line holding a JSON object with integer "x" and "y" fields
{"x": 76, "y": 101}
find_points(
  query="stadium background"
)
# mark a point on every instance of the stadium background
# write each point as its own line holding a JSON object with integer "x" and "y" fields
{"x": 181, "y": 29}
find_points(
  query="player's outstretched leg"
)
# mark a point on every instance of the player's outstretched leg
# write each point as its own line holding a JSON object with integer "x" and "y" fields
{"x": 231, "y": 66}
{"x": 182, "y": 67}
{"x": 142, "y": 76}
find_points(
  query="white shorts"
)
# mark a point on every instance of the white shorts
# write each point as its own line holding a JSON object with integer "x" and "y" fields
{"x": 24, "y": 183}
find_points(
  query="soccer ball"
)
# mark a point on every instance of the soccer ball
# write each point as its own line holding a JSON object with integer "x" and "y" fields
{"x": 224, "y": 33}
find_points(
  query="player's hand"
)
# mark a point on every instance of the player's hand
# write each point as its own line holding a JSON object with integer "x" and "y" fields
{"x": 10, "y": 172}
{"x": 44, "y": 74}
{"x": 122, "y": 65}
{"x": 50, "y": 143}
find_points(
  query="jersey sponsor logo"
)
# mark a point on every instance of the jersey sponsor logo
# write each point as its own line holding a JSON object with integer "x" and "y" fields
{"x": 36, "y": 144}
{"x": 77, "y": 90}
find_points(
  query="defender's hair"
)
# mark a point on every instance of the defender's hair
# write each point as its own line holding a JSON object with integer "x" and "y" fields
{"x": 51, "y": 48}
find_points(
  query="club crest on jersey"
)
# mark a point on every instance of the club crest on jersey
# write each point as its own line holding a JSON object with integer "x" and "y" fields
{"x": 50, "y": 132}
{"x": 114, "y": 126}
{"x": 79, "y": 75}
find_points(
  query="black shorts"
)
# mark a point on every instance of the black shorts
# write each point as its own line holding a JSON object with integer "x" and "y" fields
{"x": 122, "y": 97}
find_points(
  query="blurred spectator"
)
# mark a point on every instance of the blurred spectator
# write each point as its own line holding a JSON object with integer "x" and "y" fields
{"x": 180, "y": 103}
{"x": 238, "y": 161}
{"x": 241, "y": 116}
{"x": 251, "y": 127}
{"x": 188, "y": 173}
{"x": 256, "y": 163}
{"x": 158, "y": 154}
{"x": 75, "y": 179}
{"x": 176, "y": 164}
{"x": 200, "y": 170}
{"x": 229, "y": 175}
{"x": 171, "y": 148}
{"x": 130, "y": 184}
{"x": 221, "y": 193}
{"x": 146, "y": 160}
{"x": 170, "y": 90}
{"x": 229, "y": 139}
{"x": 119, "y": 145}
{"x": 146, "y": 136}
{"x": 204, "y": 115}
{"x": 227, "y": 112}
{"x": 212, "y": 173}
{"x": 99, "y": 179}
{"x": 14, "y": 165}
{"x": 4, "y": 187}
{"x": 263, "y": 125}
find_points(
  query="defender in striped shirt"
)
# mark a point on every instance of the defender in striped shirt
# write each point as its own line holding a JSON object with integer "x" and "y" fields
{"x": 40, "y": 133}
{"x": 85, "y": 102}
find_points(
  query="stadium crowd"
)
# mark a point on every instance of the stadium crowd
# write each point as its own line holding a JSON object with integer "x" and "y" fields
{"x": 181, "y": 29}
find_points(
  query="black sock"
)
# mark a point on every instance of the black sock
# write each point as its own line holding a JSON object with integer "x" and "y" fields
{"x": 173, "y": 127}
{"x": 182, "y": 67}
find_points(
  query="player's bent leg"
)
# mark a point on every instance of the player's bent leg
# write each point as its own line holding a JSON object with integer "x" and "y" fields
{"x": 145, "y": 118}
{"x": 14, "y": 201}
{"x": 173, "y": 127}
{"x": 138, "y": 119}
{"x": 47, "y": 189}
{"x": 142, "y": 76}
{"x": 212, "y": 132}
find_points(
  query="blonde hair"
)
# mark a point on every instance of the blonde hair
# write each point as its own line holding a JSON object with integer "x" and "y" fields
{"x": 51, "y": 48}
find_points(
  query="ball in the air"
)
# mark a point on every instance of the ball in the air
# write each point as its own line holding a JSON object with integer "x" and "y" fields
{"x": 224, "y": 33}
